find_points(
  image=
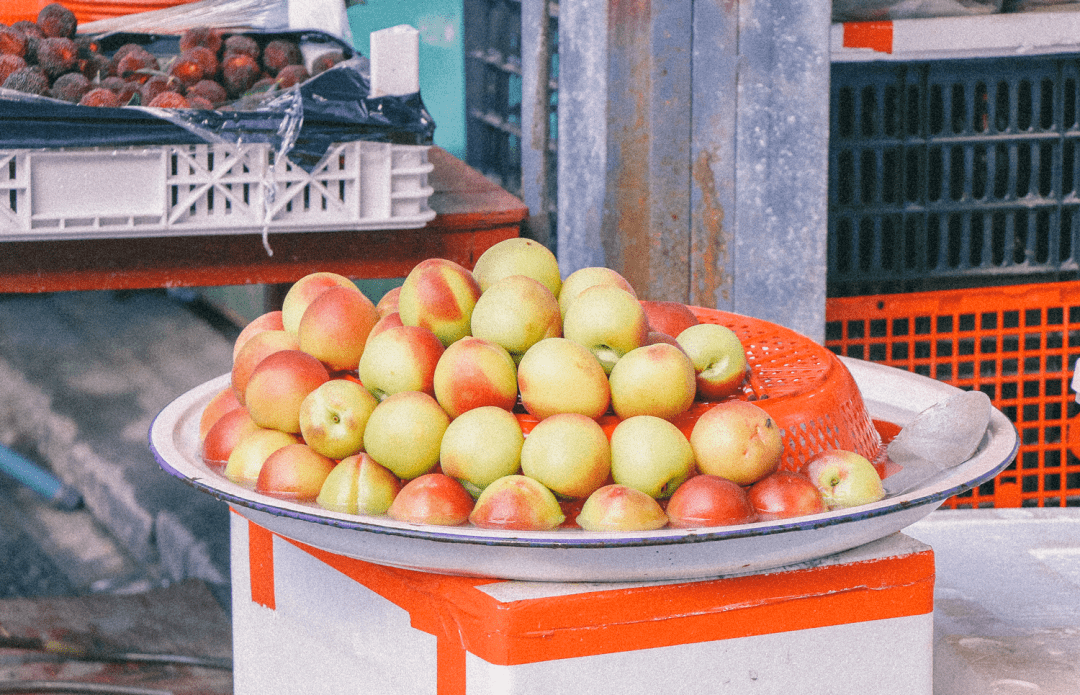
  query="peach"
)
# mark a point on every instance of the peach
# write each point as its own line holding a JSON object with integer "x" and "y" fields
{"x": 278, "y": 386}
{"x": 785, "y": 494}
{"x": 517, "y": 503}
{"x": 400, "y": 358}
{"x": 653, "y": 380}
{"x": 271, "y": 320}
{"x": 473, "y": 373}
{"x": 518, "y": 256}
{"x": 358, "y": 485}
{"x": 255, "y": 350}
{"x": 433, "y": 498}
{"x": 670, "y": 318}
{"x": 404, "y": 433}
{"x": 737, "y": 440}
{"x": 620, "y": 508}
{"x": 388, "y": 303}
{"x": 224, "y": 401}
{"x": 335, "y": 327}
{"x": 439, "y": 294}
{"x": 250, "y": 453}
{"x": 709, "y": 500}
{"x": 516, "y": 312}
{"x": 223, "y": 437}
{"x": 560, "y": 376}
{"x": 293, "y": 472}
{"x": 569, "y": 453}
{"x": 304, "y": 291}
{"x": 584, "y": 278}
{"x": 608, "y": 320}
{"x": 385, "y": 321}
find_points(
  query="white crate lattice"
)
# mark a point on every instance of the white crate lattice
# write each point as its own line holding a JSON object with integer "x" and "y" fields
{"x": 218, "y": 188}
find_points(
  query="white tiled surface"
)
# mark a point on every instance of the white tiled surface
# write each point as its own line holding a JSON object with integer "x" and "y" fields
{"x": 1007, "y": 600}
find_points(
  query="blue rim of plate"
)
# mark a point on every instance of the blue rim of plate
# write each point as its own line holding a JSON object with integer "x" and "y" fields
{"x": 201, "y": 478}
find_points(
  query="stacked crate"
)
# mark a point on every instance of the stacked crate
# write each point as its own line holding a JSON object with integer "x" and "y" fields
{"x": 953, "y": 237}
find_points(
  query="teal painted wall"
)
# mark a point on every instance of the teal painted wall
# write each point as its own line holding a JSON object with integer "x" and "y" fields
{"x": 442, "y": 58}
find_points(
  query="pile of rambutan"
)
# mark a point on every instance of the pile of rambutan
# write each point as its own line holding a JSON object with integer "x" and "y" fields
{"x": 49, "y": 58}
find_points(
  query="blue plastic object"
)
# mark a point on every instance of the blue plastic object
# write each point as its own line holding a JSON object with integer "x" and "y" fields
{"x": 38, "y": 479}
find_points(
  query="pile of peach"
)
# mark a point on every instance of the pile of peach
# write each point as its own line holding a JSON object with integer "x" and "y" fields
{"x": 48, "y": 58}
{"x": 478, "y": 397}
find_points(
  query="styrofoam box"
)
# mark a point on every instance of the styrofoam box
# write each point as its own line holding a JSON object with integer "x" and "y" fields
{"x": 172, "y": 190}
{"x": 309, "y": 621}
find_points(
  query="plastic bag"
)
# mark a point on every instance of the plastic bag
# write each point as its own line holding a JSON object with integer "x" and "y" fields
{"x": 300, "y": 122}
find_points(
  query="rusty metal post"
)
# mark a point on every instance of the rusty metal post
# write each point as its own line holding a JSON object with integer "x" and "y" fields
{"x": 693, "y": 139}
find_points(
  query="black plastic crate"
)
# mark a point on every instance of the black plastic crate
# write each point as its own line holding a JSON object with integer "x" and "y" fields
{"x": 493, "y": 90}
{"x": 954, "y": 173}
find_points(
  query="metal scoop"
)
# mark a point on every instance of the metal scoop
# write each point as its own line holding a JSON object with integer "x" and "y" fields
{"x": 939, "y": 438}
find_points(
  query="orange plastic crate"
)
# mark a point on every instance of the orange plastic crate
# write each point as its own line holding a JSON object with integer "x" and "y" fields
{"x": 1018, "y": 344}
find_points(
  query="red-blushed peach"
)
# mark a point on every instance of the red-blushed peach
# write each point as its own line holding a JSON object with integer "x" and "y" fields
{"x": 358, "y": 485}
{"x": 224, "y": 401}
{"x": 655, "y": 337}
{"x": 433, "y": 498}
{"x": 439, "y": 294}
{"x": 737, "y": 440}
{"x": 785, "y": 494}
{"x": 293, "y": 472}
{"x": 400, "y": 358}
{"x": 269, "y": 321}
{"x": 250, "y": 453}
{"x": 304, "y": 291}
{"x": 584, "y": 278}
{"x": 709, "y": 500}
{"x": 390, "y": 320}
{"x": 404, "y": 433}
{"x": 518, "y": 256}
{"x": 620, "y": 508}
{"x": 517, "y": 503}
{"x": 335, "y": 327}
{"x": 670, "y": 318}
{"x": 279, "y": 384}
{"x": 516, "y": 312}
{"x": 255, "y": 350}
{"x": 388, "y": 303}
{"x": 560, "y": 376}
{"x": 223, "y": 437}
{"x": 473, "y": 373}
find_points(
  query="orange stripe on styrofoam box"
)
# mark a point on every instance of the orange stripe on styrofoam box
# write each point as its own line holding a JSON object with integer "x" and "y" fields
{"x": 261, "y": 561}
{"x": 607, "y": 621}
{"x": 877, "y": 36}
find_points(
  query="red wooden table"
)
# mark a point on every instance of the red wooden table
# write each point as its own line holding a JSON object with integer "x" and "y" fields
{"x": 472, "y": 214}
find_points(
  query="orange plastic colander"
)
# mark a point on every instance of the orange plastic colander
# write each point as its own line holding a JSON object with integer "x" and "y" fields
{"x": 804, "y": 387}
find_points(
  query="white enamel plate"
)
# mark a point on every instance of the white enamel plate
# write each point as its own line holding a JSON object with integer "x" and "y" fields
{"x": 570, "y": 555}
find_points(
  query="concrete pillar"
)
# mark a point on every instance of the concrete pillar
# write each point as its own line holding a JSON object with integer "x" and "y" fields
{"x": 692, "y": 151}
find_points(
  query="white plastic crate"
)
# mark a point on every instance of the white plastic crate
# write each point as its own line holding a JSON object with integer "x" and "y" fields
{"x": 173, "y": 190}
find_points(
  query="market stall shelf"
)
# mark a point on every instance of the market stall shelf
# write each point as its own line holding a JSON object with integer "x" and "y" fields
{"x": 471, "y": 214}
